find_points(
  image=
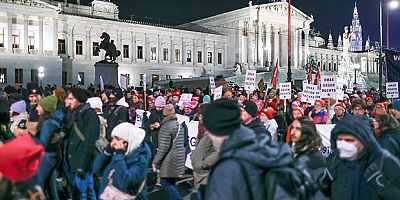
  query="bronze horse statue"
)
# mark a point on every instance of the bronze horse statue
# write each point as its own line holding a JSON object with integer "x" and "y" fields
{"x": 111, "y": 50}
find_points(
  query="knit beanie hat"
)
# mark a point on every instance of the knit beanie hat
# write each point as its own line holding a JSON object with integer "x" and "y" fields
{"x": 79, "y": 94}
{"x": 269, "y": 112}
{"x": 160, "y": 101}
{"x": 168, "y": 110}
{"x": 117, "y": 92}
{"x": 48, "y": 103}
{"x": 340, "y": 105}
{"x": 273, "y": 103}
{"x": 131, "y": 134}
{"x": 250, "y": 107}
{"x": 33, "y": 88}
{"x": 222, "y": 117}
{"x": 20, "y": 158}
{"x": 18, "y": 107}
{"x": 96, "y": 103}
{"x": 322, "y": 102}
{"x": 300, "y": 109}
{"x": 206, "y": 99}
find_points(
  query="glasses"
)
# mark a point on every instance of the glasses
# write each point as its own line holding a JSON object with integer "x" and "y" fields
{"x": 358, "y": 109}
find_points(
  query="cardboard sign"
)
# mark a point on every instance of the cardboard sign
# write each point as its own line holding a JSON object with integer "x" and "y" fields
{"x": 328, "y": 86}
{"x": 218, "y": 93}
{"x": 261, "y": 85}
{"x": 285, "y": 90}
{"x": 192, "y": 133}
{"x": 250, "y": 80}
{"x": 212, "y": 83}
{"x": 123, "y": 81}
{"x": 185, "y": 97}
{"x": 139, "y": 117}
{"x": 339, "y": 93}
{"x": 392, "y": 90}
{"x": 324, "y": 131}
{"x": 309, "y": 93}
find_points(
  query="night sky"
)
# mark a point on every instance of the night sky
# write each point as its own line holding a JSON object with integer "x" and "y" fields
{"x": 329, "y": 15}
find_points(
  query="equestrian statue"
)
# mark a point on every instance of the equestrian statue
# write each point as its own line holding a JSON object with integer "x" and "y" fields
{"x": 111, "y": 50}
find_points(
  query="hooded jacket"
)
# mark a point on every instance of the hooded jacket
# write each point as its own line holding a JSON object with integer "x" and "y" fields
{"x": 258, "y": 154}
{"x": 258, "y": 127}
{"x": 390, "y": 140}
{"x": 358, "y": 179}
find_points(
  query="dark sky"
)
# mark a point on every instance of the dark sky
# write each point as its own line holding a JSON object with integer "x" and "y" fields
{"x": 329, "y": 15}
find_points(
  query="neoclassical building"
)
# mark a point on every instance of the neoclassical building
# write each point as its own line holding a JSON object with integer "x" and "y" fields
{"x": 63, "y": 37}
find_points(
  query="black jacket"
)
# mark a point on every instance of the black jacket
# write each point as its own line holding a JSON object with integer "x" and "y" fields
{"x": 115, "y": 115}
{"x": 375, "y": 174}
{"x": 79, "y": 152}
{"x": 257, "y": 155}
{"x": 390, "y": 140}
{"x": 258, "y": 128}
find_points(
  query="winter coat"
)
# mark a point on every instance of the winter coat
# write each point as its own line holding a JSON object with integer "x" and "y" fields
{"x": 335, "y": 120}
{"x": 258, "y": 127}
{"x": 170, "y": 156}
{"x": 47, "y": 131}
{"x": 320, "y": 117}
{"x": 129, "y": 170}
{"x": 272, "y": 128}
{"x": 204, "y": 158}
{"x": 390, "y": 140}
{"x": 314, "y": 163}
{"x": 79, "y": 151}
{"x": 226, "y": 181}
{"x": 360, "y": 178}
{"x": 115, "y": 115}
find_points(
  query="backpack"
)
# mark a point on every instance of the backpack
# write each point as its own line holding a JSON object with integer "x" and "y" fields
{"x": 283, "y": 182}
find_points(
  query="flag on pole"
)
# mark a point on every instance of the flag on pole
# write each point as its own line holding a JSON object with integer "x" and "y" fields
{"x": 317, "y": 76}
{"x": 275, "y": 75}
{"x": 309, "y": 77}
{"x": 101, "y": 84}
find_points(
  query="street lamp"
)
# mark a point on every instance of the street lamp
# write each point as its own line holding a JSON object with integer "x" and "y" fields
{"x": 41, "y": 74}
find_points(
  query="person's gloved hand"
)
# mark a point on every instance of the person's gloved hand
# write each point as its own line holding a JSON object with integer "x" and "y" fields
{"x": 80, "y": 173}
{"x": 109, "y": 150}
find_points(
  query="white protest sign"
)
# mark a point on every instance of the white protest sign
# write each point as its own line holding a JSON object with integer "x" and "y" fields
{"x": 285, "y": 90}
{"x": 123, "y": 81}
{"x": 392, "y": 90}
{"x": 218, "y": 93}
{"x": 139, "y": 117}
{"x": 324, "y": 131}
{"x": 185, "y": 97}
{"x": 309, "y": 93}
{"x": 339, "y": 93}
{"x": 317, "y": 94}
{"x": 328, "y": 86}
{"x": 212, "y": 83}
{"x": 193, "y": 129}
{"x": 182, "y": 118}
{"x": 250, "y": 80}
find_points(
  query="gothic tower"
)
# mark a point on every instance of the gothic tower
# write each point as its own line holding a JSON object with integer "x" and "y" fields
{"x": 356, "y": 43}
{"x": 340, "y": 43}
{"x": 330, "y": 41}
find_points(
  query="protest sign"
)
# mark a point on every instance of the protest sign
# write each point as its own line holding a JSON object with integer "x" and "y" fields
{"x": 392, "y": 90}
{"x": 250, "y": 80}
{"x": 185, "y": 97}
{"x": 123, "y": 81}
{"x": 324, "y": 131}
{"x": 212, "y": 83}
{"x": 309, "y": 93}
{"x": 339, "y": 93}
{"x": 285, "y": 90}
{"x": 328, "y": 86}
{"x": 139, "y": 117}
{"x": 218, "y": 93}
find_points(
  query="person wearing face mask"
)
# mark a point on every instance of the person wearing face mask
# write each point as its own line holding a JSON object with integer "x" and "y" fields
{"x": 305, "y": 146}
{"x": 388, "y": 134}
{"x": 359, "y": 168}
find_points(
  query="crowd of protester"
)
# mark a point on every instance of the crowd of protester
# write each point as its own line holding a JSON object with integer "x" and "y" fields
{"x": 88, "y": 137}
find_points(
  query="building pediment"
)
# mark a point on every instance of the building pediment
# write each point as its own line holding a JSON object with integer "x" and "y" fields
{"x": 282, "y": 8}
{"x": 32, "y": 3}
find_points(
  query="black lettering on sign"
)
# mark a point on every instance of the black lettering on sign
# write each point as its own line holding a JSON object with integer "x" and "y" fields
{"x": 192, "y": 141}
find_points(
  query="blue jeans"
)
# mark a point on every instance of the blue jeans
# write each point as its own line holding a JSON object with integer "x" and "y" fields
{"x": 47, "y": 169}
{"x": 82, "y": 189}
{"x": 169, "y": 185}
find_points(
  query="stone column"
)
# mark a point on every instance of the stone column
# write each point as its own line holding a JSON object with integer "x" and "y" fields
{"x": 133, "y": 47}
{"x": 183, "y": 52}
{"x": 9, "y": 33}
{"x": 55, "y": 37}
{"x": 250, "y": 54}
{"x": 295, "y": 48}
{"x": 26, "y": 23}
{"x": 306, "y": 46}
{"x": 171, "y": 50}
{"x": 88, "y": 51}
{"x": 146, "y": 49}
{"x": 71, "y": 42}
{"x": 194, "y": 53}
{"x": 40, "y": 35}
{"x": 299, "y": 49}
{"x": 276, "y": 47}
{"x": 159, "y": 49}
{"x": 239, "y": 48}
{"x": 205, "y": 53}
{"x": 214, "y": 58}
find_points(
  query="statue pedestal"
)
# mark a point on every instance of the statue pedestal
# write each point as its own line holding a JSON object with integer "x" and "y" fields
{"x": 108, "y": 71}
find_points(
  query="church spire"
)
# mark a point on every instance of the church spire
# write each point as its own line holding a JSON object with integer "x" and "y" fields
{"x": 340, "y": 43}
{"x": 330, "y": 41}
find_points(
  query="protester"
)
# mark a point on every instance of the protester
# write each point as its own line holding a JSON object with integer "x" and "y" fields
{"x": 340, "y": 113}
{"x": 18, "y": 127}
{"x": 305, "y": 146}
{"x": 359, "y": 168}
{"x": 236, "y": 143}
{"x": 48, "y": 128}
{"x": 116, "y": 112}
{"x": 266, "y": 116}
{"x": 84, "y": 131}
{"x": 97, "y": 105}
{"x": 387, "y": 130}
{"x": 124, "y": 162}
{"x": 248, "y": 112}
{"x": 319, "y": 114}
{"x": 34, "y": 95}
{"x": 170, "y": 157}
{"x": 297, "y": 112}
{"x": 156, "y": 117}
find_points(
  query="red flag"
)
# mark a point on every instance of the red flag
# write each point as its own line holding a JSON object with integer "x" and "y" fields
{"x": 275, "y": 75}
{"x": 309, "y": 77}
{"x": 317, "y": 76}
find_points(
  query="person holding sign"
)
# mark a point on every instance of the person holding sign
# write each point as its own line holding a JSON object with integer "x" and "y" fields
{"x": 319, "y": 114}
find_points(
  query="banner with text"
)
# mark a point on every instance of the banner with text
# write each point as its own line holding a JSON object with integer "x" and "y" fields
{"x": 212, "y": 83}
{"x": 393, "y": 65}
{"x": 392, "y": 90}
{"x": 218, "y": 93}
{"x": 185, "y": 97}
{"x": 250, "y": 80}
{"x": 328, "y": 86}
{"x": 285, "y": 90}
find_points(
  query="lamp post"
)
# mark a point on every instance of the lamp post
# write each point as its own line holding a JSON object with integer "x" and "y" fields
{"x": 41, "y": 74}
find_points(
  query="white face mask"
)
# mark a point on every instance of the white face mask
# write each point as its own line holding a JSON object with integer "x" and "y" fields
{"x": 346, "y": 149}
